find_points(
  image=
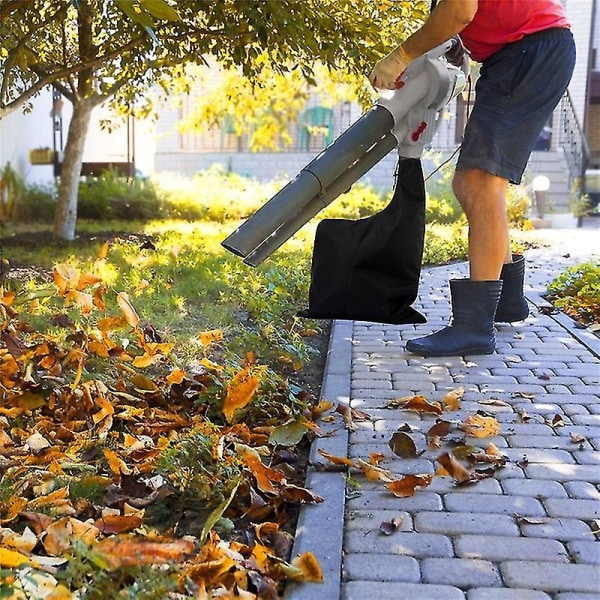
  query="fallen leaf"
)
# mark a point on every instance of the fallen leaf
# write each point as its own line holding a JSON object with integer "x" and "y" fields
{"x": 240, "y": 392}
{"x": 389, "y": 527}
{"x": 12, "y": 558}
{"x": 440, "y": 429}
{"x": 403, "y": 445}
{"x": 129, "y": 550}
{"x": 336, "y": 460}
{"x": 577, "y": 438}
{"x": 376, "y": 457}
{"x": 306, "y": 568}
{"x": 111, "y": 524}
{"x": 417, "y": 404}
{"x": 408, "y": 485}
{"x": 529, "y": 520}
{"x": 127, "y": 309}
{"x": 459, "y": 473}
{"x": 494, "y": 402}
{"x": 451, "y": 401}
{"x": 479, "y": 426}
{"x": 373, "y": 473}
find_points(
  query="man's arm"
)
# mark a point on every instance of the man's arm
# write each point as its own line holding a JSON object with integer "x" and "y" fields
{"x": 447, "y": 19}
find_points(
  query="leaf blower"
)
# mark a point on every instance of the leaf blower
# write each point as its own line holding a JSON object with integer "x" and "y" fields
{"x": 406, "y": 119}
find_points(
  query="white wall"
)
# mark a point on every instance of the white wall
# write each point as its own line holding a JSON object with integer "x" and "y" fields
{"x": 20, "y": 132}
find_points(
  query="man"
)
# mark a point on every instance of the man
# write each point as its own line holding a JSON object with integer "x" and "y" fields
{"x": 527, "y": 54}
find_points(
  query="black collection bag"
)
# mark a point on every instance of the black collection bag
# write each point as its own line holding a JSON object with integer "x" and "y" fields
{"x": 369, "y": 269}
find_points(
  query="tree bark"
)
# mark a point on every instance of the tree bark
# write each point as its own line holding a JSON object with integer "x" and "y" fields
{"x": 65, "y": 216}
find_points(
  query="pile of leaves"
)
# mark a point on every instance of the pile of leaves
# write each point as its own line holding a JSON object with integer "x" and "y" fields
{"x": 126, "y": 474}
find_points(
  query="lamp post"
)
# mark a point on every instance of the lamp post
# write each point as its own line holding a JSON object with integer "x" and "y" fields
{"x": 541, "y": 185}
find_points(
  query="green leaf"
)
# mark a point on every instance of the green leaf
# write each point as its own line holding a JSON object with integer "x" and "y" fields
{"x": 216, "y": 514}
{"x": 161, "y": 10}
{"x": 289, "y": 434}
{"x": 135, "y": 13}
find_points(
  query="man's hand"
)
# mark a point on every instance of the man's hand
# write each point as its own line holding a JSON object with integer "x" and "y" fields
{"x": 387, "y": 72}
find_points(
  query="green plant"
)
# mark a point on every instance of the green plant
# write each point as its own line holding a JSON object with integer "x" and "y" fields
{"x": 576, "y": 291}
{"x": 204, "y": 472}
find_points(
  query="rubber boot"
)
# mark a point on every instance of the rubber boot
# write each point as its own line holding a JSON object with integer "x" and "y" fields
{"x": 512, "y": 306}
{"x": 471, "y": 330}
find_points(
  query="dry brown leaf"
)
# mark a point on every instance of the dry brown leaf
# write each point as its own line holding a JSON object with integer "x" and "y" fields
{"x": 479, "y": 426}
{"x": 373, "y": 473}
{"x": 389, "y": 527}
{"x": 459, "y": 473}
{"x": 408, "y": 485}
{"x": 422, "y": 405}
{"x": 403, "y": 445}
{"x": 376, "y": 457}
{"x": 452, "y": 400}
{"x": 336, "y": 460}
{"x": 240, "y": 391}
{"x": 440, "y": 429}
{"x": 266, "y": 478}
{"x": 130, "y": 550}
{"x": 208, "y": 337}
{"x": 127, "y": 309}
{"x": 309, "y": 568}
{"x": 111, "y": 524}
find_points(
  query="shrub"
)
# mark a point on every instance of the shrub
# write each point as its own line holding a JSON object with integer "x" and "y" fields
{"x": 112, "y": 196}
{"x": 576, "y": 291}
{"x": 37, "y": 203}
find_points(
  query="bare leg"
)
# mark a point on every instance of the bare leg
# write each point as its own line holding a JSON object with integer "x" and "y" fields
{"x": 483, "y": 198}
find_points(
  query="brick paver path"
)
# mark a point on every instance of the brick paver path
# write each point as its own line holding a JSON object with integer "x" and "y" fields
{"x": 531, "y": 531}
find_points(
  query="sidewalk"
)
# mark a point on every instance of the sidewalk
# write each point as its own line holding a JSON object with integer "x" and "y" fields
{"x": 528, "y": 533}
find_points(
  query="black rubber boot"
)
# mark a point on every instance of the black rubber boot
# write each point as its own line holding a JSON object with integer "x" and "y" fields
{"x": 512, "y": 306}
{"x": 471, "y": 330}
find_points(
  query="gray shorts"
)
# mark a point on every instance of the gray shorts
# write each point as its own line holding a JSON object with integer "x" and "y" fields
{"x": 518, "y": 88}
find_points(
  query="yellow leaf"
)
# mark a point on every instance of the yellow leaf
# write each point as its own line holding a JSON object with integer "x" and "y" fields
{"x": 407, "y": 486}
{"x": 127, "y": 309}
{"x": 451, "y": 400}
{"x": 176, "y": 376}
{"x": 480, "y": 427}
{"x": 103, "y": 251}
{"x": 65, "y": 277}
{"x": 240, "y": 391}
{"x": 11, "y": 558}
{"x": 116, "y": 464}
{"x": 308, "y": 567}
{"x": 141, "y": 362}
{"x": 208, "y": 337}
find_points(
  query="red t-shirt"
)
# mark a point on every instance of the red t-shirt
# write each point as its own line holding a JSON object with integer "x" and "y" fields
{"x": 500, "y": 22}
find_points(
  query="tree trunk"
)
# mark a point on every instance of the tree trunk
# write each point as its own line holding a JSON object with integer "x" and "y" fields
{"x": 65, "y": 216}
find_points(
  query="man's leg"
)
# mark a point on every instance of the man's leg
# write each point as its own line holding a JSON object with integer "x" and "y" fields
{"x": 482, "y": 196}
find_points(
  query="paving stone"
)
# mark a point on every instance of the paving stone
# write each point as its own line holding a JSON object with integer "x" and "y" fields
{"x": 460, "y": 572}
{"x": 587, "y": 457}
{"x": 556, "y": 529}
{"x": 537, "y": 488}
{"x": 404, "y": 543}
{"x": 585, "y": 552}
{"x": 444, "y": 485}
{"x": 554, "y": 577}
{"x": 576, "y": 596}
{"x": 540, "y": 441}
{"x": 574, "y": 508}
{"x": 367, "y": 590}
{"x": 558, "y": 472}
{"x": 488, "y": 503}
{"x": 370, "y": 520}
{"x": 538, "y": 455}
{"x": 506, "y": 594}
{"x": 497, "y": 548}
{"x": 582, "y": 489}
{"x": 461, "y": 523}
{"x": 389, "y": 567}
{"x": 386, "y": 501}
